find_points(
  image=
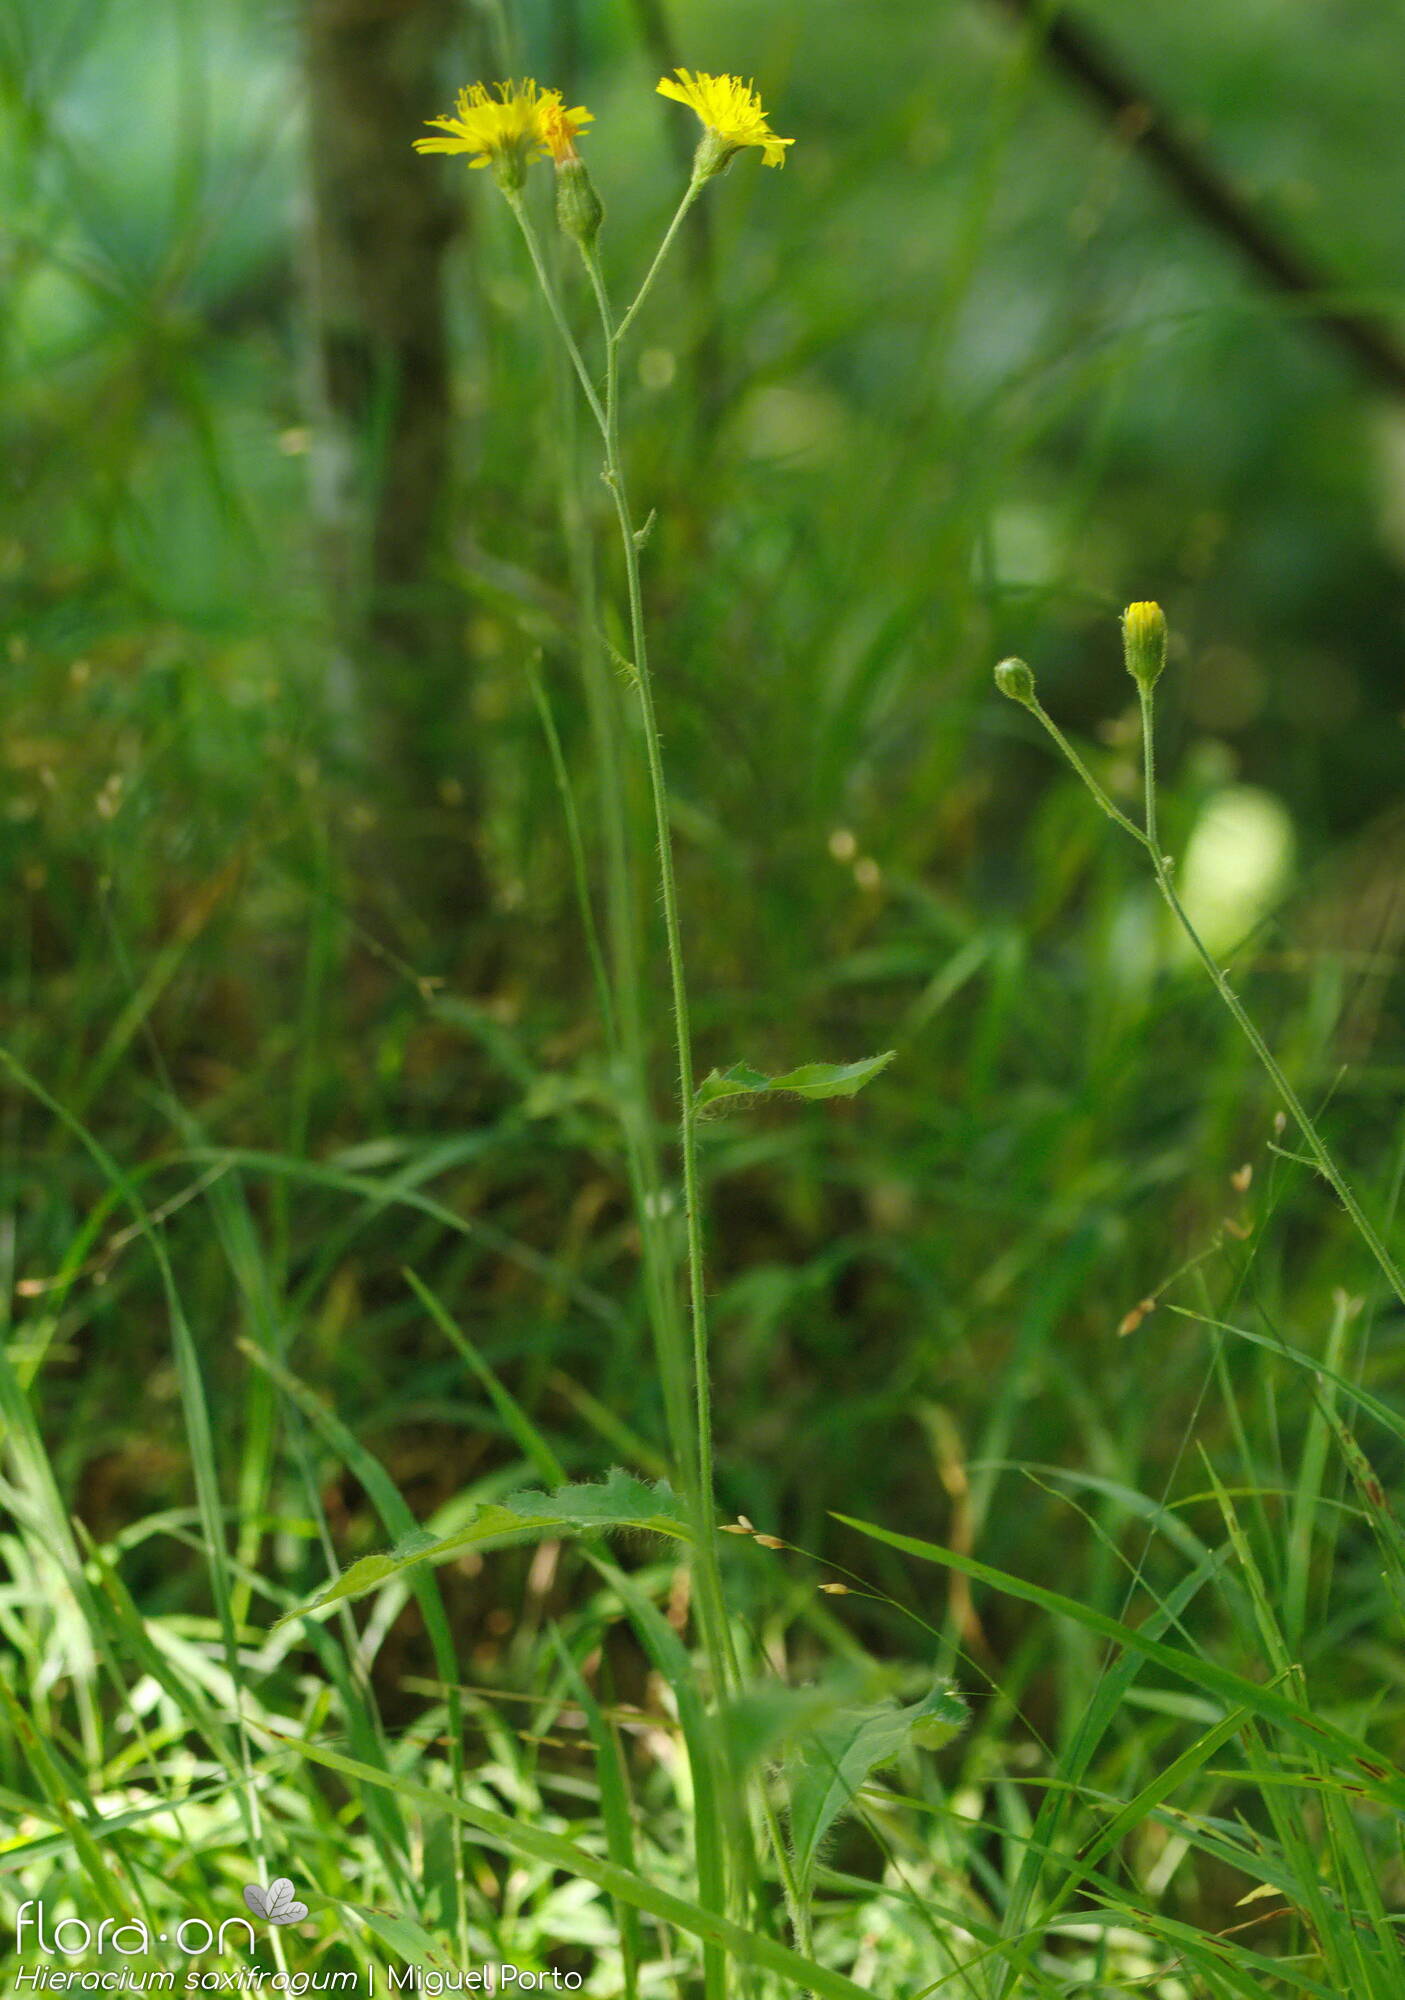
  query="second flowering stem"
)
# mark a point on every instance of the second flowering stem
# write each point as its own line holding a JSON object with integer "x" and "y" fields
{"x": 1322, "y": 1157}
{"x": 1145, "y": 643}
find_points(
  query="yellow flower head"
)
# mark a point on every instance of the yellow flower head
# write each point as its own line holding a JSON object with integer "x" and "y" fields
{"x": 731, "y": 114}
{"x": 507, "y": 130}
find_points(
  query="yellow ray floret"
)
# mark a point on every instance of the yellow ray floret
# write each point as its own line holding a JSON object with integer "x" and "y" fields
{"x": 519, "y": 122}
{"x": 730, "y": 108}
{"x": 559, "y": 127}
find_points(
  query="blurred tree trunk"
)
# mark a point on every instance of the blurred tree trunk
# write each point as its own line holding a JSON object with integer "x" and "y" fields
{"x": 382, "y": 221}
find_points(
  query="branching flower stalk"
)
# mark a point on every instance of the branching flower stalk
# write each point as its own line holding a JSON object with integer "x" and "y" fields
{"x": 618, "y": 980}
{"x": 505, "y": 133}
{"x": 1144, "y": 651}
{"x": 709, "y": 1575}
{"x": 572, "y": 205}
{"x": 732, "y": 119}
{"x": 693, "y": 1445}
{"x": 646, "y": 1183}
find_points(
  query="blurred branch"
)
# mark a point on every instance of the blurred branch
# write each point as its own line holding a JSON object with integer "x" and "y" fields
{"x": 1146, "y": 123}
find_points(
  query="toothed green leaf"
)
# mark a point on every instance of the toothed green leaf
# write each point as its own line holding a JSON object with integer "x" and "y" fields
{"x": 810, "y": 1080}
{"x": 828, "y": 1767}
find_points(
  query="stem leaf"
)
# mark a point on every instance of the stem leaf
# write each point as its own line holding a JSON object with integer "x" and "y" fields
{"x": 620, "y": 1501}
{"x": 810, "y": 1080}
{"x": 829, "y": 1766}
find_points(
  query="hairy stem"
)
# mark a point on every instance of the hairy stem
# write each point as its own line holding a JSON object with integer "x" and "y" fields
{"x": 1317, "y": 1146}
{"x": 553, "y": 304}
{"x": 710, "y": 1594}
{"x": 725, "y": 1666}
{"x": 1036, "y": 708}
{"x": 691, "y": 193}
{"x": 1150, "y": 840}
{"x": 692, "y": 1445}
{"x": 695, "y": 1463}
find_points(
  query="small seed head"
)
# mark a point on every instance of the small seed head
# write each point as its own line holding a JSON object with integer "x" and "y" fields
{"x": 1016, "y": 682}
{"x": 1144, "y": 643}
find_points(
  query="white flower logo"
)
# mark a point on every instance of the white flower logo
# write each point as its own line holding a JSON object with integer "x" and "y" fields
{"x": 276, "y": 1903}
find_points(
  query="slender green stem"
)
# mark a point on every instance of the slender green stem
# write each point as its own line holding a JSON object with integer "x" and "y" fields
{"x": 696, "y": 1465}
{"x": 1150, "y": 840}
{"x": 645, "y": 1176}
{"x": 1037, "y": 709}
{"x": 1326, "y": 1164}
{"x": 1152, "y": 837}
{"x": 622, "y": 1008}
{"x": 694, "y": 1452}
{"x": 711, "y": 1606}
{"x": 548, "y": 290}
{"x": 690, "y": 195}
{"x": 698, "y": 1474}
{"x": 591, "y": 260}
{"x": 726, "y": 1665}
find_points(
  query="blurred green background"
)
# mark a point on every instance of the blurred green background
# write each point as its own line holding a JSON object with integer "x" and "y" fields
{"x": 288, "y": 889}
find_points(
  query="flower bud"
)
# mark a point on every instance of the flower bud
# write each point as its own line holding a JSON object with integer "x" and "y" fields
{"x": 579, "y": 209}
{"x": 1144, "y": 643}
{"x": 1014, "y": 680}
